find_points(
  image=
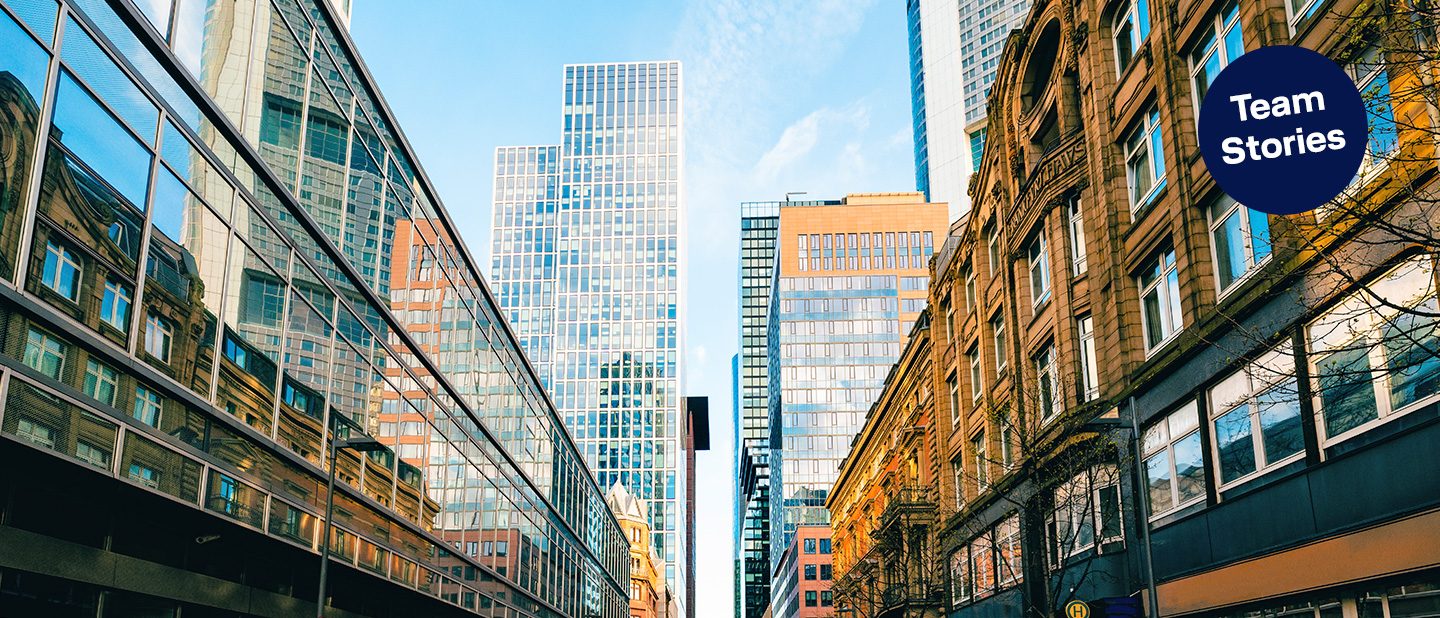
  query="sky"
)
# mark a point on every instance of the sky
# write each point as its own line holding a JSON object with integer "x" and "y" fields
{"x": 780, "y": 96}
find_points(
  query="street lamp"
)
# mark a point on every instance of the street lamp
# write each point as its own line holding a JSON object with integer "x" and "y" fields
{"x": 359, "y": 444}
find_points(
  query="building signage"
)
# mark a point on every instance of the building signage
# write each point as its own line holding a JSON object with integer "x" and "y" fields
{"x": 1283, "y": 129}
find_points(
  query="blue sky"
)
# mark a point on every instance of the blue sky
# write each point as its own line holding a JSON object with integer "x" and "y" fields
{"x": 801, "y": 95}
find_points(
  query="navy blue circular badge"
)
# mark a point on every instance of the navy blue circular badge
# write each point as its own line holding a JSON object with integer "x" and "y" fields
{"x": 1283, "y": 129}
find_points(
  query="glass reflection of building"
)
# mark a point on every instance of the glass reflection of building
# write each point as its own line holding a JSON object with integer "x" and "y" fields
{"x": 587, "y": 265}
{"x": 850, "y": 276}
{"x": 213, "y": 252}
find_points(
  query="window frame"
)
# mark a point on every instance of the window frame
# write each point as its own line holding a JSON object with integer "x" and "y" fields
{"x": 1376, "y": 354}
{"x": 42, "y": 347}
{"x": 977, "y": 376}
{"x": 1044, "y": 365}
{"x": 1248, "y": 250}
{"x": 152, "y": 405}
{"x": 1075, "y": 219}
{"x": 101, "y": 374}
{"x": 121, "y": 301}
{"x": 1037, "y": 256}
{"x": 1151, "y": 141}
{"x": 1223, "y": 22}
{"x": 1138, "y": 13}
{"x": 952, "y": 384}
{"x": 1168, "y": 312}
{"x": 1272, "y": 362}
{"x": 997, "y": 334}
{"x": 1158, "y": 438}
{"x": 64, "y": 257}
{"x": 1089, "y": 368}
{"x": 980, "y": 450}
{"x": 159, "y": 337}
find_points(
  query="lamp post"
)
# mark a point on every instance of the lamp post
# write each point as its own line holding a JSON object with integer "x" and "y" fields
{"x": 361, "y": 444}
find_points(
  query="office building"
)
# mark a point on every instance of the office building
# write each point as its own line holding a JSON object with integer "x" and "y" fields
{"x": 588, "y": 257}
{"x": 802, "y": 577}
{"x": 759, "y": 225}
{"x": 851, "y": 276}
{"x": 1144, "y": 395}
{"x": 219, "y": 255}
{"x": 955, "y": 47}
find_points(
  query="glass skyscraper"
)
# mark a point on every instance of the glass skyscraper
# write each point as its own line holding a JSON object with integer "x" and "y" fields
{"x": 759, "y": 225}
{"x": 217, "y": 252}
{"x": 588, "y": 259}
{"x": 849, "y": 279}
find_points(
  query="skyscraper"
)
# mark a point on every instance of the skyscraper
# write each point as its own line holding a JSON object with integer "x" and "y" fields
{"x": 759, "y": 225}
{"x": 955, "y": 46}
{"x": 587, "y": 255}
{"x": 849, "y": 279}
{"x": 219, "y": 255}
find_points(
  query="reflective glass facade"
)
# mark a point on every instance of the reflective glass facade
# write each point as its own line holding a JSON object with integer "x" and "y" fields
{"x": 850, "y": 279}
{"x": 608, "y": 247}
{"x": 759, "y": 226}
{"x": 213, "y": 253}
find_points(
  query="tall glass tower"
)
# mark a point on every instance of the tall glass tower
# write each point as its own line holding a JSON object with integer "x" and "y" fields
{"x": 587, "y": 256}
{"x": 759, "y": 226}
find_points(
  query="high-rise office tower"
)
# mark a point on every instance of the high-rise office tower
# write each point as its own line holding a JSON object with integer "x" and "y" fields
{"x": 588, "y": 260}
{"x": 955, "y": 46}
{"x": 850, "y": 277}
{"x": 217, "y": 256}
{"x": 759, "y": 224}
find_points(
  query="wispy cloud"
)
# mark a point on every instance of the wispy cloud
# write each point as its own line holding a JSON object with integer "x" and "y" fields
{"x": 798, "y": 140}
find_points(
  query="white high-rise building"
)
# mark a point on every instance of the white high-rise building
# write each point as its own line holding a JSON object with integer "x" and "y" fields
{"x": 955, "y": 46}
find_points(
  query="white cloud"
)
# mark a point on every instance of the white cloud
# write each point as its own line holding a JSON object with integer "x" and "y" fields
{"x": 798, "y": 140}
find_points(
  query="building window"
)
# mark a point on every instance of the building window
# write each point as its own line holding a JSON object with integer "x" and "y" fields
{"x": 950, "y": 320}
{"x": 1373, "y": 361}
{"x": 1046, "y": 397}
{"x": 810, "y": 599}
{"x": 1039, "y": 270}
{"x": 957, "y": 468}
{"x": 1079, "y": 261}
{"x": 809, "y": 546}
{"x": 1007, "y": 445}
{"x": 144, "y": 475}
{"x": 810, "y": 572}
{"x": 1089, "y": 374}
{"x": 1300, "y": 10}
{"x": 35, "y": 433}
{"x": 953, "y": 386}
{"x": 970, "y": 290}
{"x": 1132, "y": 25}
{"x": 101, "y": 382}
{"x": 1255, "y": 413}
{"x": 1145, "y": 160}
{"x": 977, "y": 385}
{"x": 91, "y": 454}
{"x": 1373, "y": 81}
{"x": 977, "y": 148}
{"x": 997, "y": 327}
{"x": 115, "y": 305}
{"x": 827, "y": 572}
{"x": 1010, "y": 560}
{"x": 1240, "y": 238}
{"x": 1087, "y": 509}
{"x": 825, "y": 546}
{"x": 1174, "y": 463}
{"x": 1160, "y": 300}
{"x": 982, "y": 565}
{"x": 61, "y": 271}
{"x": 993, "y": 241}
{"x": 45, "y": 353}
{"x": 1223, "y": 43}
{"x": 147, "y": 406}
{"x": 158, "y": 336}
{"x": 982, "y": 474}
{"x": 827, "y": 598}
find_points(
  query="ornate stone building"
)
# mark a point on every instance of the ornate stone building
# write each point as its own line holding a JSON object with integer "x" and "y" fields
{"x": 1148, "y": 392}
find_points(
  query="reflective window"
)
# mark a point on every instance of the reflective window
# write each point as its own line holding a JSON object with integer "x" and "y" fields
{"x": 38, "y": 14}
{"x": 159, "y": 333}
{"x": 147, "y": 406}
{"x": 1160, "y": 300}
{"x": 1256, "y": 416}
{"x": 1145, "y": 160}
{"x": 1131, "y": 27}
{"x": 101, "y": 382}
{"x": 23, "y": 68}
{"x": 62, "y": 270}
{"x": 83, "y": 56}
{"x": 1223, "y": 43}
{"x": 98, "y": 140}
{"x": 1240, "y": 239}
{"x": 115, "y": 305}
{"x": 1174, "y": 464}
{"x": 45, "y": 353}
